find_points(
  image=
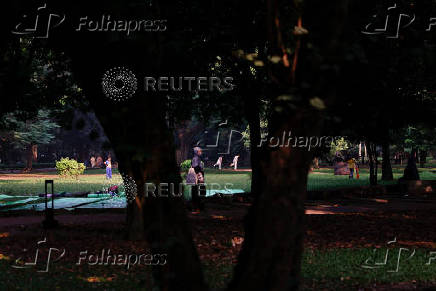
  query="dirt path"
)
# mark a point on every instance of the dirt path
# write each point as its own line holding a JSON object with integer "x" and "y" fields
{"x": 64, "y": 219}
{"x": 237, "y": 211}
{"x": 23, "y": 176}
{"x": 382, "y": 204}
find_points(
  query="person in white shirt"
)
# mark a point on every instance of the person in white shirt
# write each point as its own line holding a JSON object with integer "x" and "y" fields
{"x": 235, "y": 162}
{"x": 219, "y": 162}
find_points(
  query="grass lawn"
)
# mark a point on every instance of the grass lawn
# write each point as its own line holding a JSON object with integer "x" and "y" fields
{"x": 347, "y": 266}
{"x": 324, "y": 179}
{"x": 333, "y": 269}
{"x": 94, "y": 180}
{"x": 327, "y": 269}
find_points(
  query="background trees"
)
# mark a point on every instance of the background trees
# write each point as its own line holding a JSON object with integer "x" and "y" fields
{"x": 26, "y": 133}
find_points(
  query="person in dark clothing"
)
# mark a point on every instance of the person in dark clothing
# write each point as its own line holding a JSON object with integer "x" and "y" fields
{"x": 411, "y": 170}
{"x": 199, "y": 189}
{"x": 196, "y": 160}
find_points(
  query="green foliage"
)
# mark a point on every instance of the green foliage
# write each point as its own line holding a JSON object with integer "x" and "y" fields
{"x": 420, "y": 137}
{"x": 70, "y": 168}
{"x": 338, "y": 145}
{"x": 263, "y": 132}
{"x": 185, "y": 165}
{"x": 29, "y": 131}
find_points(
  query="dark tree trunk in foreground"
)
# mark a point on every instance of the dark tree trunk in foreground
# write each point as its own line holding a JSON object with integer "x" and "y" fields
{"x": 270, "y": 257}
{"x": 387, "y": 174}
{"x": 252, "y": 112}
{"x": 146, "y": 152}
{"x": 145, "y": 149}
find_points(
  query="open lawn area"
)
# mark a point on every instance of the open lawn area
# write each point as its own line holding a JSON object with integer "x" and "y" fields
{"x": 94, "y": 180}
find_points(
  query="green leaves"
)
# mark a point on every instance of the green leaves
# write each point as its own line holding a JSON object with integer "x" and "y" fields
{"x": 26, "y": 131}
{"x": 185, "y": 165}
{"x": 70, "y": 168}
{"x": 317, "y": 103}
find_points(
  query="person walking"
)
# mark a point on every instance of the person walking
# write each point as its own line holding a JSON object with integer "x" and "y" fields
{"x": 351, "y": 165}
{"x": 108, "y": 164}
{"x": 92, "y": 161}
{"x": 219, "y": 162}
{"x": 199, "y": 189}
{"x": 235, "y": 162}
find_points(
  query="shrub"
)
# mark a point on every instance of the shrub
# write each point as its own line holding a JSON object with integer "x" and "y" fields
{"x": 70, "y": 168}
{"x": 185, "y": 165}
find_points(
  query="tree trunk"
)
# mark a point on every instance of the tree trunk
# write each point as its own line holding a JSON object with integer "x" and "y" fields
{"x": 316, "y": 163}
{"x": 387, "y": 174}
{"x": 185, "y": 133}
{"x": 271, "y": 254}
{"x": 372, "y": 157}
{"x": 256, "y": 170}
{"x": 376, "y": 163}
{"x": 252, "y": 113}
{"x": 84, "y": 155}
{"x": 422, "y": 158}
{"x": 31, "y": 156}
{"x": 162, "y": 221}
{"x": 145, "y": 149}
{"x": 366, "y": 154}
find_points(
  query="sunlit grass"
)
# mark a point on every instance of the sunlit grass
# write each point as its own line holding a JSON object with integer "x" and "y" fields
{"x": 366, "y": 266}
{"x": 333, "y": 269}
{"x": 95, "y": 180}
{"x": 33, "y": 186}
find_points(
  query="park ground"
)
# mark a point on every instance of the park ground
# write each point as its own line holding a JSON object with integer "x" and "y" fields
{"x": 346, "y": 240}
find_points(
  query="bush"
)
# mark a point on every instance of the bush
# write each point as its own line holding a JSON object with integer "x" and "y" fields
{"x": 70, "y": 168}
{"x": 184, "y": 166}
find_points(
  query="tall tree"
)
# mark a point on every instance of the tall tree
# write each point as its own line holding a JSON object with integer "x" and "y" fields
{"x": 272, "y": 261}
{"x": 28, "y": 133}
